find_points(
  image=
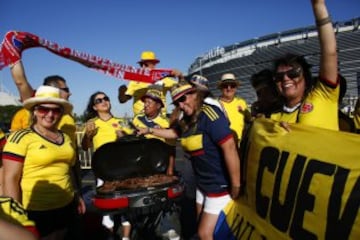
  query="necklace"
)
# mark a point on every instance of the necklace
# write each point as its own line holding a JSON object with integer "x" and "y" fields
{"x": 52, "y": 136}
{"x": 291, "y": 109}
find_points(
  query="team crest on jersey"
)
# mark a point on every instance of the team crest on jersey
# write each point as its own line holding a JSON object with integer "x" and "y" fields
{"x": 306, "y": 108}
{"x": 115, "y": 125}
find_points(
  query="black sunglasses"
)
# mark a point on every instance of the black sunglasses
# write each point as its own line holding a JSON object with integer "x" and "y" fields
{"x": 65, "y": 89}
{"x": 182, "y": 98}
{"x": 147, "y": 64}
{"x": 45, "y": 110}
{"x": 100, "y": 100}
{"x": 292, "y": 73}
{"x": 226, "y": 85}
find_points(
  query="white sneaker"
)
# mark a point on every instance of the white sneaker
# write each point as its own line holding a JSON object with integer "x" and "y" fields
{"x": 171, "y": 235}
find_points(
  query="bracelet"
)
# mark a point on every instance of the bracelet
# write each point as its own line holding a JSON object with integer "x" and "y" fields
{"x": 149, "y": 130}
{"x": 323, "y": 21}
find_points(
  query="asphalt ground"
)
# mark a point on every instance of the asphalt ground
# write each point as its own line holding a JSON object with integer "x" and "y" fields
{"x": 93, "y": 228}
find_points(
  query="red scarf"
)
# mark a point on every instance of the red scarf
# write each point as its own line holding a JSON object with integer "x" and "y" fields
{"x": 15, "y": 42}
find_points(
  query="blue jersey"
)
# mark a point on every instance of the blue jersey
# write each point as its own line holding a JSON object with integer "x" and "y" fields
{"x": 202, "y": 142}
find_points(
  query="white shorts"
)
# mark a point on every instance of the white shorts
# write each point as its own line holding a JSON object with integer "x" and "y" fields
{"x": 212, "y": 205}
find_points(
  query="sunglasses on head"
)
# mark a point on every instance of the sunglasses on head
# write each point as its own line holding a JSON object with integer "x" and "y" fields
{"x": 292, "y": 73}
{"x": 182, "y": 99}
{"x": 65, "y": 89}
{"x": 100, "y": 100}
{"x": 45, "y": 110}
{"x": 226, "y": 85}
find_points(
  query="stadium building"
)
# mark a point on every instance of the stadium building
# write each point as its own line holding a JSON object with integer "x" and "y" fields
{"x": 248, "y": 57}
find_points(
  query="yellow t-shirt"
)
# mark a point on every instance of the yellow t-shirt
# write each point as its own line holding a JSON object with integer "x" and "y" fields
{"x": 67, "y": 125}
{"x": 235, "y": 115}
{"x": 160, "y": 121}
{"x": 319, "y": 109}
{"x": 45, "y": 181}
{"x": 107, "y": 131}
{"x": 138, "y": 89}
{"x": 20, "y": 120}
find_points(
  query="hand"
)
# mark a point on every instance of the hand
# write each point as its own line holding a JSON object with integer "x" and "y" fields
{"x": 177, "y": 73}
{"x": 235, "y": 192}
{"x": 170, "y": 171}
{"x": 286, "y": 126}
{"x": 119, "y": 133}
{"x": 141, "y": 131}
{"x": 90, "y": 129}
{"x": 81, "y": 206}
{"x": 121, "y": 94}
{"x": 14, "y": 43}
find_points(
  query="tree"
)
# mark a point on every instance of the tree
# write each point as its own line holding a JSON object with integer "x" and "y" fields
{"x": 6, "y": 114}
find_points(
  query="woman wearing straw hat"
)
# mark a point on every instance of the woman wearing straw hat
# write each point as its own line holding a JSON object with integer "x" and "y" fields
{"x": 207, "y": 138}
{"x": 37, "y": 167}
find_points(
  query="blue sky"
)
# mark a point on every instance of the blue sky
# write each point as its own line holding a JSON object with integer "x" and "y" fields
{"x": 176, "y": 30}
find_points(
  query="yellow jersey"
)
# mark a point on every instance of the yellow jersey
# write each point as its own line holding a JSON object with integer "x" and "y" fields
{"x": 319, "y": 108}
{"x": 235, "y": 112}
{"x": 45, "y": 182}
{"x": 138, "y": 89}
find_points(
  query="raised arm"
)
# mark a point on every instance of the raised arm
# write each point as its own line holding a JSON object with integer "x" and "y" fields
{"x": 20, "y": 80}
{"x": 328, "y": 59}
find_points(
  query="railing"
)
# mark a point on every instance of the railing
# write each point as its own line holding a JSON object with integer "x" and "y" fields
{"x": 83, "y": 156}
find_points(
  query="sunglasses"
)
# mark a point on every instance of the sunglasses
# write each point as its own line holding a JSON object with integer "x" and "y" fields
{"x": 226, "y": 85}
{"x": 100, "y": 100}
{"x": 65, "y": 89}
{"x": 45, "y": 110}
{"x": 292, "y": 73}
{"x": 182, "y": 98}
{"x": 147, "y": 64}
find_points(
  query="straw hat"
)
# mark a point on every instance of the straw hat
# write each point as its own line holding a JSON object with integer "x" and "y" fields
{"x": 154, "y": 94}
{"x": 200, "y": 82}
{"x": 48, "y": 94}
{"x": 228, "y": 78}
{"x": 148, "y": 56}
{"x": 179, "y": 91}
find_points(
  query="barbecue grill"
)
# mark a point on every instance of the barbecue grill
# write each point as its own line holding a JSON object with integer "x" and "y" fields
{"x": 133, "y": 170}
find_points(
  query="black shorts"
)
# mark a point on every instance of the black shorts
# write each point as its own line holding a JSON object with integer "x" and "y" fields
{"x": 49, "y": 221}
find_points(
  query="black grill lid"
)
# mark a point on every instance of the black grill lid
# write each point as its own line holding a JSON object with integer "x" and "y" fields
{"x": 130, "y": 156}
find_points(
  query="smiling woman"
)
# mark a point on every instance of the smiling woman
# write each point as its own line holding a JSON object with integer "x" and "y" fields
{"x": 307, "y": 101}
{"x": 207, "y": 138}
{"x": 37, "y": 165}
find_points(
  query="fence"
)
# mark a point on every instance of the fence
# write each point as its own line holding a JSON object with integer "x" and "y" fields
{"x": 83, "y": 156}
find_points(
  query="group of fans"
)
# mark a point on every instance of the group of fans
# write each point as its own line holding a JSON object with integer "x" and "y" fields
{"x": 40, "y": 173}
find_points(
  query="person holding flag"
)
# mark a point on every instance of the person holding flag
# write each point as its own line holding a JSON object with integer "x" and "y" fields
{"x": 136, "y": 89}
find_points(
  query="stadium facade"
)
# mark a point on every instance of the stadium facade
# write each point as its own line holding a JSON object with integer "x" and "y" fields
{"x": 250, "y": 56}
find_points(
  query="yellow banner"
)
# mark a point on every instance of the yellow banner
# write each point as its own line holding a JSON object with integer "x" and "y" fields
{"x": 302, "y": 184}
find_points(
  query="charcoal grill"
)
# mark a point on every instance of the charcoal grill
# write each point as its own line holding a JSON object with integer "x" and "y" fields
{"x": 133, "y": 170}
